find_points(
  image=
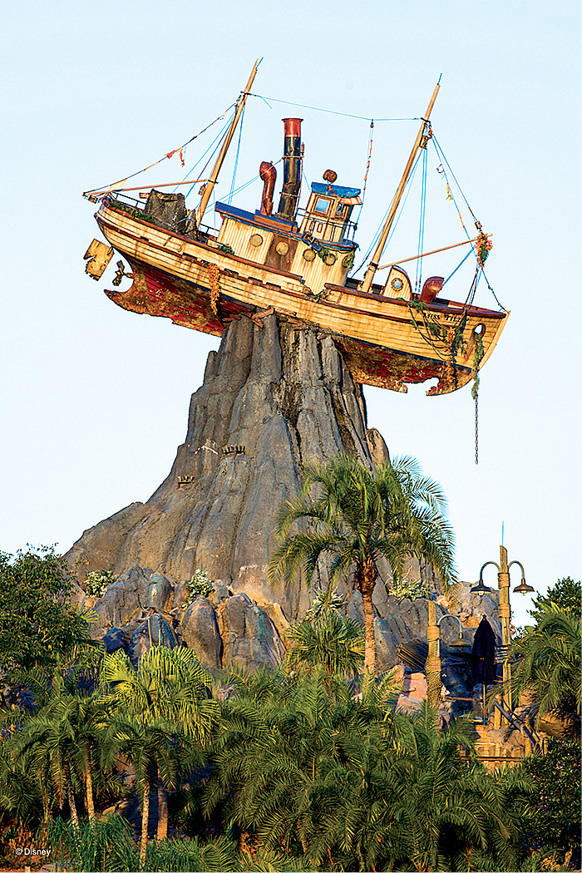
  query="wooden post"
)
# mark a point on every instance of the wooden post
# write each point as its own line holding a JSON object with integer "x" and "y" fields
{"x": 433, "y": 661}
{"x": 504, "y": 617}
{"x": 373, "y": 265}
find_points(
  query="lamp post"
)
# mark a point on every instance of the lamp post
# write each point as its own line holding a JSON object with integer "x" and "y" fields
{"x": 433, "y": 661}
{"x": 503, "y": 569}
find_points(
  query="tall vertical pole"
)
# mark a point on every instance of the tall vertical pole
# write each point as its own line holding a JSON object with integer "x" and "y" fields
{"x": 373, "y": 265}
{"x": 433, "y": 661}
{"x": 209, "y": 186}
{"x": 504, "y": 617}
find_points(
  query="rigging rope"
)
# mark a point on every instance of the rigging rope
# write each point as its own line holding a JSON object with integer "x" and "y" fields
{"x": 365, "y": 182}
{"x": 418, "y": 279}
{"x": 329, "y": 111}
{"x": 165, "y": 157}
{"x": 232, "y": 184}
{"x": 396, "y": 220}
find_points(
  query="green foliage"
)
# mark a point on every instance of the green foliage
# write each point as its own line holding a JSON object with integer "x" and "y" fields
{"x": 403, "y": 589}
{"x": 552, "y": 812}
{"x": 566, "y": 594}
{"x": 198, "y": 586}
{"x": 342, "y": 782}
{"x": 37, "y": 624}
{"x": 327, "y": 640}
{"x": 98, "y": 581}
{"x": 547, "y": 660}
{"x": 354, "y": 516}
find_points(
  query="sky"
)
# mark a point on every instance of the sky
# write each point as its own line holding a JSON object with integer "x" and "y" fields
{"x": 95, "y": 399}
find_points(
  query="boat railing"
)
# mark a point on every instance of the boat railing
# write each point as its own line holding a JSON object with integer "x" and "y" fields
{"x": 344, "y": 229}
{"x": 135, "y": 205}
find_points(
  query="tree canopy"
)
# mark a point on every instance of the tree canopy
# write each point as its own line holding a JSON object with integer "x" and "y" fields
{"x": 38, "y": 626}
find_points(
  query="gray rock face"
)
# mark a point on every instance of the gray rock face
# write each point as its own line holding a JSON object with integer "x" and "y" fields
{"x": 273, "y": 398}
{"x": 249, "y": 636}
{"x": 199, "y": 630}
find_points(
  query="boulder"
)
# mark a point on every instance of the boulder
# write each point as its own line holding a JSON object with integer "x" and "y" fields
{"x": 249, "y": 637}
{"x": 199, "y": 631}
{"x": 154, "y": 631}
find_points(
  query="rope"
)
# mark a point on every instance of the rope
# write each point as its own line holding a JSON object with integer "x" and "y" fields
{"x": 329, "y": 111}
{"x": 165, "y": 157}
{"x": 421, "y": 224}
{"x": 365, "y": 182}
{"x": 476, "y": 429}
{"x": 396, "y": 220}
{"x": 232, "y": 184}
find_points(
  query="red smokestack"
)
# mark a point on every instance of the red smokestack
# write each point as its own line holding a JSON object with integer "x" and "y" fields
{"x": 292, "y": 160}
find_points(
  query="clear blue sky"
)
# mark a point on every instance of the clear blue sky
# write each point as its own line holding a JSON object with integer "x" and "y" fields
{"x": 95, "y": 400}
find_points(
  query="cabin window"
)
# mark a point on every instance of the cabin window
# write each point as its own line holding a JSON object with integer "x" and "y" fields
{"x": 321, "y": 204}
{"x": 341, "y": 209}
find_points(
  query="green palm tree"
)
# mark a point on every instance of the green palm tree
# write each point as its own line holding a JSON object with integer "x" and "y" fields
{"x": 328, "y": 640}
{"x": 169, "y": 685}
{"x": 155, "y": 745}
{"x": 48, "y": 742}
{"x": 547, "y": 661}
{"x": 355, "y": 516}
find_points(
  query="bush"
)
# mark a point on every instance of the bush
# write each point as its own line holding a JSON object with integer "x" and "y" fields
{"x": 98, "y": 581}
{"x": 198, "y": 586}
{"x": 552, "y": 812}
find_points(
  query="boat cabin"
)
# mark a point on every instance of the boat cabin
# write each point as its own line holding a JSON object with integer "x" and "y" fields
{"x": 328, "y": 212}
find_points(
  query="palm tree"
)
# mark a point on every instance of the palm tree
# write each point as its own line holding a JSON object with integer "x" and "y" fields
{"x": 328, "y": 640}
{"x": 356, "y": 516}
{"x": 547, "y": 661}
{"x": 169, "y": 685}
{"x": 153, "y": 745}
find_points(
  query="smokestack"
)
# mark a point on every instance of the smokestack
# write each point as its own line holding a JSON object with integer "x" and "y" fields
{"x": 292, "y": 160}
{"x": 268, "y": 174}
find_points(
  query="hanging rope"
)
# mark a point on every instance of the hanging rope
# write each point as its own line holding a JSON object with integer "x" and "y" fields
{"x": 232, "y": 184}
{"x": 396, "y": 220}
{"x": 478, "y": 353}
{"x": 418, "y": 280}
{"x": 365, "y": 182}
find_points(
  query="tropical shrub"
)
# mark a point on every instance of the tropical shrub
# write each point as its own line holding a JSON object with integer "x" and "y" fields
{"x": 552, "y": 812}
{"x": 98, "y": 581}
{"x": 198, "y": 586}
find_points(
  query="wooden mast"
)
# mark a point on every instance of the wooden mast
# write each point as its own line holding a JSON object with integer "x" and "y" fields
{"x": 209, "y": 186}
{"x": 373, "y": 265}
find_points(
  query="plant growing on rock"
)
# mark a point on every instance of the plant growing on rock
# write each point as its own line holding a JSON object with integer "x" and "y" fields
{"x": 198, "y": 586}
{"x": 98, "y": 581}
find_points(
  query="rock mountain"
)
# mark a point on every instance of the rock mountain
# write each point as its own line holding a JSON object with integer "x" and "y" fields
{"x": 274, "y": 396}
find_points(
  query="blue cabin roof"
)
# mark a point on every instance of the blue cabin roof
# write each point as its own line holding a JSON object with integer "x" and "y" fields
{"x": 335, "y": 190}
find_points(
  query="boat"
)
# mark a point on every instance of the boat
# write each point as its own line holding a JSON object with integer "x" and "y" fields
{"x": 295, "y": 262}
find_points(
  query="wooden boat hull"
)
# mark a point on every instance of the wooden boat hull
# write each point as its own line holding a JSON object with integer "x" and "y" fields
{"x": 386, "y": 342}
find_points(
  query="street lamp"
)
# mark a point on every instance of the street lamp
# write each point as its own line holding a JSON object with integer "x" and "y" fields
{"x": 504, "y": 612}
{"x": 433, "y": 661}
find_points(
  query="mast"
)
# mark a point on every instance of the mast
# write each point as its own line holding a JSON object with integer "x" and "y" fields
{"x": 373, "y": 265}
{"x": 209, "y": 186}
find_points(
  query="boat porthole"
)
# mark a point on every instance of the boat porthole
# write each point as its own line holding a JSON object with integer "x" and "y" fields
{"x": 309, "y": 255}
{"x": 479, "y": 330}
{"x": 397, "y": 284}
{"x": 282, "y": 248}
{"x": 256, "y": 239}
{"x": 330, "y": 259}
{"x": 347, "y": 261}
